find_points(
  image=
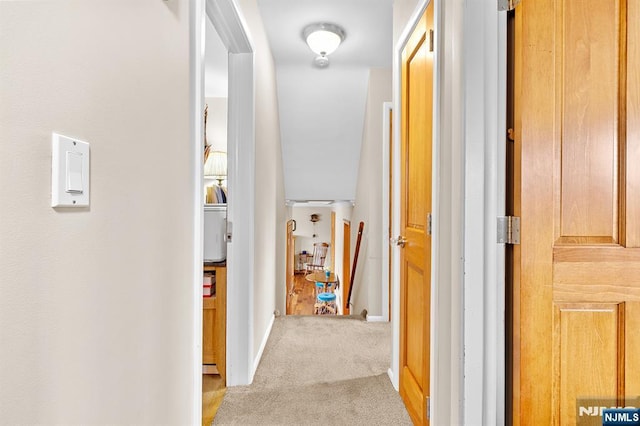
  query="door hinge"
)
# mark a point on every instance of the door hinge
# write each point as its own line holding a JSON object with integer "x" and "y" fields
{"x": 507, "y": 4}
{"x": 431, "y": 45}
{"x": 429, "y": 226}
{"x": 508, "y": 230}
{"x": 428, "y": 408}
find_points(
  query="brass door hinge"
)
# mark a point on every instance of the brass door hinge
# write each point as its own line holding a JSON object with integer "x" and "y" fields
{"x": 428, "y": 408}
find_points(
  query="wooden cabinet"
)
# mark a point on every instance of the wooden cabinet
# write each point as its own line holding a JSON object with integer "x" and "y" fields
{"x": 214, "y": 324}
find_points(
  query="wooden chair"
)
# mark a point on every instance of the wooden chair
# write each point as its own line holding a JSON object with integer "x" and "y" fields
{"x": 319, "y": 255}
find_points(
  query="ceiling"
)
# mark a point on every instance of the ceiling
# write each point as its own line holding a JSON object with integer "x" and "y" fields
{"x": 367, "y": 24}
{"x": 322, "y": 110}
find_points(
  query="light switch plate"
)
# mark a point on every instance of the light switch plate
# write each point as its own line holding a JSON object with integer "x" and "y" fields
{"x": 69, "y": 172}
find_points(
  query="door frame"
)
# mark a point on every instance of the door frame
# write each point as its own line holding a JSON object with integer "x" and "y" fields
{"x": 233, "y": 32}
{"x": 290, "y": 253}
{"x": 231, "y": 27}
{"x": 387, "y": 108}
{"x": 468, "y": 194}
{"x": 485, "y": 126}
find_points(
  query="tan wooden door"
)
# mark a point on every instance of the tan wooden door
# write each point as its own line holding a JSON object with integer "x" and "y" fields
{"x": 415, "y": 257}
{"x": 576, "y": 290}
{"x": 290, "y": 259}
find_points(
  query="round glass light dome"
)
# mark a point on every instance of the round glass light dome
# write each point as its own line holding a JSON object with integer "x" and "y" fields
{"x": 323, "y": 39}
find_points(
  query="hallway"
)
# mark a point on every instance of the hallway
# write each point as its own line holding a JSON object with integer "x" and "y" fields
{"x": 329, "y": 370}
{"x": 123, "y": 275}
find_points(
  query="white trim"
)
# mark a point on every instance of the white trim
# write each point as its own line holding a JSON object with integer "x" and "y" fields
{"x": 484, "y": 126}
{"x": 395, "y": 222}
{"x": 196, "y": 106}
{"x": 387, "y": 107}
{"x": 231, "y": 27}
{"x": 265, "y": 338}
{"x": 376, "y": 318}
{"x": 240, "y": 213}
{"x": 390, "y": 374}
{"x": 440, "y": 313}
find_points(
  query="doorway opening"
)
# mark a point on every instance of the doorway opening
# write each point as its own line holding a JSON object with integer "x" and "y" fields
{"x": 314, "y": 246}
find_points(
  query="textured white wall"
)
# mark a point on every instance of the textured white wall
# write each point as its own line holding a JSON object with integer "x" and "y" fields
{"x": 367, "y": 292}
{"x": 270, "y": 222}
{"x": 96, "y": 311}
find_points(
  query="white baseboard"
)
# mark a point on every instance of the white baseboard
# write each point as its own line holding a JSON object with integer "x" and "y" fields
{"x": 376, "y": 318}
{"x": 393, "y": 382}
{"x": 258, "y": 357}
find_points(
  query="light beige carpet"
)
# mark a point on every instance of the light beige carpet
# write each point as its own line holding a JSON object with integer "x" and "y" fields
{"x": 329, "y": 371}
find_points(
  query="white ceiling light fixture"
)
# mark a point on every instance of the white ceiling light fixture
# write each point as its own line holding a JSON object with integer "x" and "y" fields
{"x": 323, "y": 39}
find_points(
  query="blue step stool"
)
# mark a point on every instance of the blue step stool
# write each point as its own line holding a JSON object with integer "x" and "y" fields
{"x": 326, "y": 304}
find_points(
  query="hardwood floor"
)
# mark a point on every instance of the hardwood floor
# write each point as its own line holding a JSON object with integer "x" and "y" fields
{"x": 301, "y": 300}
{"x": 213, "y": 390}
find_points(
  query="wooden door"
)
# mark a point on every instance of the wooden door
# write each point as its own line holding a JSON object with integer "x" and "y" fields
{"x": 291, "y": 224}
{"x": 333, "y": 242}
{"x": 576, "y": 290}
{"x": 415, "y": 207}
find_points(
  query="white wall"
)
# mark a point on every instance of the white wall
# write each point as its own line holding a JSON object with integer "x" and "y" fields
{"x": 96, "y": 306}
{"x": 367, "y": 291}
{"x": 217, "y": 123}
{"x": 270, "y": 214}
{"x": 305, "y": 229}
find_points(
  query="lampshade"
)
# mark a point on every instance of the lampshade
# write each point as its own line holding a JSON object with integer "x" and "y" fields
{"x": 216, "y": 165}
{"x": 323, "y": 38}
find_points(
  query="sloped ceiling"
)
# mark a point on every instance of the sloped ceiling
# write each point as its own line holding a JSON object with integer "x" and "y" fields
{"x": 322, "y": 110}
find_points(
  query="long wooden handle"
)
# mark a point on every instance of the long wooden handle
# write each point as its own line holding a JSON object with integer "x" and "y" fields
{"x": 355, "y": 264}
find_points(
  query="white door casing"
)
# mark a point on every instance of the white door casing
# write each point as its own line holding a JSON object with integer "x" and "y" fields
{"x": 231, "y": 28}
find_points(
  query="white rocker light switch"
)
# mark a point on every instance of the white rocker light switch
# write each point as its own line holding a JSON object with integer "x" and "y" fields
{"x": 69, "y": 172}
